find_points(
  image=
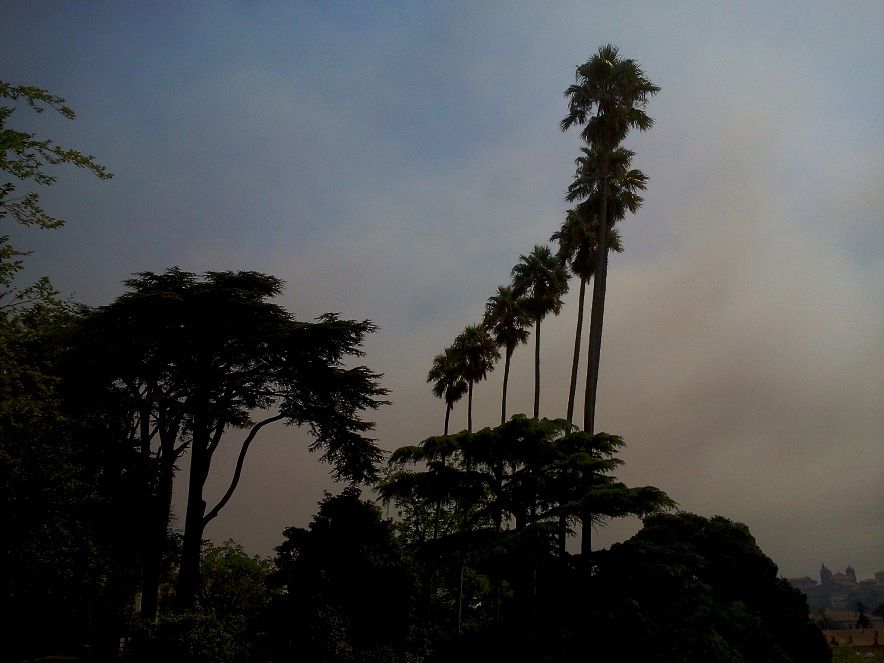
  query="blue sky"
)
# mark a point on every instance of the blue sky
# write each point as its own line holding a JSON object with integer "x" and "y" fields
{"x": 392, "y": 161}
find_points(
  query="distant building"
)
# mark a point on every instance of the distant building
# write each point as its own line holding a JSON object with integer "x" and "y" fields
{"x": 840, "y": 590}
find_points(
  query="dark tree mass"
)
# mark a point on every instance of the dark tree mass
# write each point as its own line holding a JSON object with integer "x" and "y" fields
{"x": 454, "y": 548}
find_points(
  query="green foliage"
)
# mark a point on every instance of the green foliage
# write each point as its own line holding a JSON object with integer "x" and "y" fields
{"x": 229, "y": 622}
{"x": 608, "y": 98}
{"x": 189, "y": 637}
{"x": 27, "y": 158}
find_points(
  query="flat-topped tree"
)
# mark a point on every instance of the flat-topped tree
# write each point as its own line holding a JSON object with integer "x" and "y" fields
{"x": 607, "y": 100}
{"x": 240, "y": 362}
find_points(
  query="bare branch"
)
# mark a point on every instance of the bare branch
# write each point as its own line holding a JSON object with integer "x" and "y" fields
{"x": 239, "y": 463}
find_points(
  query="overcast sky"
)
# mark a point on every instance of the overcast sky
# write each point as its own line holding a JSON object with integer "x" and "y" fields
{"x": 391, "y": 161}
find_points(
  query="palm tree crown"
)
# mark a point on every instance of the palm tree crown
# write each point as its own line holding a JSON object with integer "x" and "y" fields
{"x": 448, "y": 382}
{"x": 476, "y": 352}
{"x": 608, "y": 98}
{"x": 507, "y": 321}
{"x": 541, "y": 280}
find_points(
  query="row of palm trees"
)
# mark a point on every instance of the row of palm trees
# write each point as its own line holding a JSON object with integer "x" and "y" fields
{"x": 607, "y": 100}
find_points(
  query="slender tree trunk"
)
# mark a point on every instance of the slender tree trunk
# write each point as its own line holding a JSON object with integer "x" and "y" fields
{"x": 470, "y": 408}
{"x": 600, "y": 280}
{"x": 537, "y": 370}
{"x": 159, "y": 525}
{"x": 188, "y": 574}
{"x": 577, "y": 339}
{"x": 200, "y": 459}
{"x": 447, "y": 415}
{"x": 597, "y": 314}
{"x": 460, "y": 601}
{"x": 562, "y": 535}
{"x": 506, "y": 377}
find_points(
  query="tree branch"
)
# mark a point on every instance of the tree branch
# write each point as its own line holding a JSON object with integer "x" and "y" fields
{"x": 216, "y": 438}
{"x": 239, "y": 463}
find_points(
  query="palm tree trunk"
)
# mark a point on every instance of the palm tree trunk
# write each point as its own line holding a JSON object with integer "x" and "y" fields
{"x": 470, "y": 409}
{"x": 460, "y": 601}
{"x": 577, "y": 339}
{"x": 447, "y": 415}
{"x": 537, "y": 370}
{"x": 506, "y": 377}
{"x": 600, "y": 281}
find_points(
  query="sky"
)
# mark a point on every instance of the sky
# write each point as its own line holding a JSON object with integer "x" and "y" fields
{"x": 392, "y": 161}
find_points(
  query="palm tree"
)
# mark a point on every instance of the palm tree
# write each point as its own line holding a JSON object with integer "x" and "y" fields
{"x": 476, "y": 352}
{"x": 578, "y": 236}
{"x": 507, "y": 321}
{"x": 541, "y": 280}
{"x": 448, "y": 383}
{"x": 607, "y": 99}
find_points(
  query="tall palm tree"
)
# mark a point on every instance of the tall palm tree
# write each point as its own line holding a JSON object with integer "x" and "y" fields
{"x": 578, "y": 236}
{"x": 476, "y": 352}
{"x": 507, "y": 322}
{"x": 540, "y": 280}
{"x": 448, "y": 382}
{"x": 607, "y": 99}
{"x": 577, "y": 243}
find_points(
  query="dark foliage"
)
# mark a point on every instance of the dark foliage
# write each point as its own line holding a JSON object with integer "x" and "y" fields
{"x": 688, "y": 588}
{"x": 347, "y": 587}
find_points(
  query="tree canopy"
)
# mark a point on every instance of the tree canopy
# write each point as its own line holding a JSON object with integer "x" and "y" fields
{"x": 213, "y": 349}
{"x": 29, "y": 159}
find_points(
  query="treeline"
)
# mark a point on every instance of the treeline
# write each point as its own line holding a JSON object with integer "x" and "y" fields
{"x": 99, "y": 405}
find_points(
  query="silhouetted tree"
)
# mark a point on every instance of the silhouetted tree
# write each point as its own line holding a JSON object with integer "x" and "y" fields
{"x": 231, "y": 354}
{"x": 541, "y": 281}
{"x": 349, "y": 590}
{"x": 446, "y": 374}
{"x": 608, "y": 100}
{"x": 476, "y": 353}
{"x": 507, "y": 322}
{"x": 688, "y": 588}
{"x": 576, "y": 240}
{"x": 535, "y": 476}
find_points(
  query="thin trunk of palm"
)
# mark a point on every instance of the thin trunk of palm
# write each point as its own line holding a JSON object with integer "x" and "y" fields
{"x": 537, "y": 370}
{"x": 577, "y": 339}
{"x": 600, "y": 280}
{"x": 506, "y": 377}
{"x": 470, "y": 409}
{"x": 447, "y": 415}
{"x": 460, "y": 601}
